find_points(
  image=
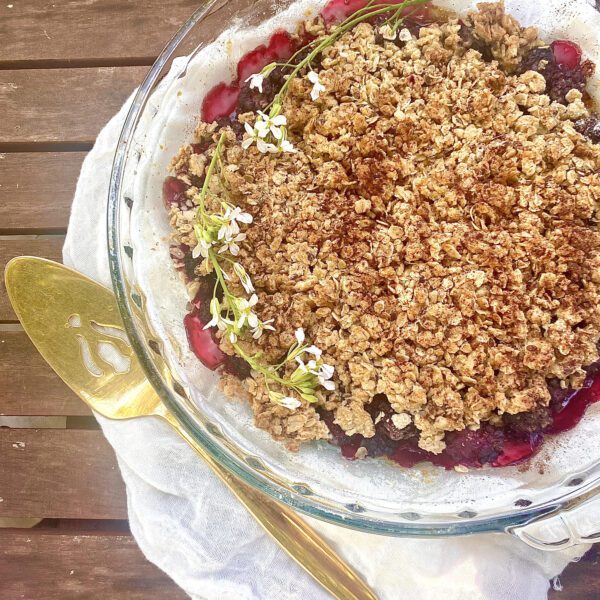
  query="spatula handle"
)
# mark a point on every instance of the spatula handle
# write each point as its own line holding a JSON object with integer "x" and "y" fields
{"x": 292, "y": 533}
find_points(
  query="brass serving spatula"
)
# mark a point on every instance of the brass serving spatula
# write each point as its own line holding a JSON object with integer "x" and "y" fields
{"x": 70, "y": 318}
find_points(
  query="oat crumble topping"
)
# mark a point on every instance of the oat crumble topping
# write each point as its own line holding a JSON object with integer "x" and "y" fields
{"x": 435, "y": 234}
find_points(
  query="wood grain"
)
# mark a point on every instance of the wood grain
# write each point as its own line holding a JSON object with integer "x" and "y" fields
{"x": 76, "y": 102}
{"x": 89, "y": 29}
{"x": 46, "y": 247}
{"x": 36, "y": 190}
{"x": 35, "y": 564}
{"x": 581, "y": 580}
{"x": 59, "y": 473}
{"x": 28, "y": 386}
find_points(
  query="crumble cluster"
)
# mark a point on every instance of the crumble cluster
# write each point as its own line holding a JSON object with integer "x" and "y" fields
{"x": 435, "y": 234}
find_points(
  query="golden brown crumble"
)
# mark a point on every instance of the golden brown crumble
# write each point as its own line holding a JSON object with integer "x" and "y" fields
{"x": 435, "y": 235}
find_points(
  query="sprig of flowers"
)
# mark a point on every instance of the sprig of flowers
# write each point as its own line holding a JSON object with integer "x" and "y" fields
{"x": 305, "y": 380}
{"x": 217, "y": 234}
{"x": 269, "y": 131}
{"x": 372, "y": 9}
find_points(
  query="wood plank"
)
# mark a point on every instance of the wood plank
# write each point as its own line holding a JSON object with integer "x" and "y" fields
{"x": 55, "y": 566}
{"x": 59, "y": 473}
{"x": 28, "y": 386}
{"x": 36, "y": 190}
{"x": 39, "y": 30}
{"x": 62, "y": 105}
{"x": 581, "y": 580}
{"x": 46, "y": 247}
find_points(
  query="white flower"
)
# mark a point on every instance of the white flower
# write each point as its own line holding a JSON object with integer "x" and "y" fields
{"x": 253, "y": 134}
{"x": 289, "y": 402}
{"x": 232, "y": 337}
{"x": 256, "y": 81}
{"x": 272, "y": 124}
{"x": 261, "y": 327}
{"x": 202, "y": 248}
{"x": 264, "y": 147}
{"x": 231, "y": 228}
{"x": 287, "y": 146}
{"x": 244, "y": 278}
{"x": 285, "y": 401}
{"x": 405, "y": 35}
{"x": 387, "y": 32}
{"x": 246, "y": 314}
{"x": 324, "y": 376}
{"x": 217, "y": 320}
{"x": 318, "y": 87}
{"x": 316, "y": 352}
{"x": 299, "y": 336}
{"x": 231, "y": 246}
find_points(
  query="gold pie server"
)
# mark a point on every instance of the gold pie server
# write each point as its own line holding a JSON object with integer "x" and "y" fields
{"x": 72, "y": 320}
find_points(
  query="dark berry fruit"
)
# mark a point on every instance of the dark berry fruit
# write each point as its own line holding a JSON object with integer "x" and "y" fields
{"x": 202, "y": 343}
{"x": 219, "y": 102}
{"x": 529, "y": 422}
{"x": 236, "y": 366}
{"x": 174, "y": 192}
{"x": 590, "y": 128}
{"x": 566, "y": 54}
{"x": 474, "y": 448}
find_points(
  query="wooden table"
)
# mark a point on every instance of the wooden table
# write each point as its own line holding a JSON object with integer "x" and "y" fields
{"x": 65, "y": 69}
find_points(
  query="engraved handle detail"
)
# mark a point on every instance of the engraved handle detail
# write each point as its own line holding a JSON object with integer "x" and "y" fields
{"x": 103, "y": 347}
{"x": 578, "y": 524}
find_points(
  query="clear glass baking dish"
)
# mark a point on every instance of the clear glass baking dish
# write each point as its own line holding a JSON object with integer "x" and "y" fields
{"x": 552, "y": 502}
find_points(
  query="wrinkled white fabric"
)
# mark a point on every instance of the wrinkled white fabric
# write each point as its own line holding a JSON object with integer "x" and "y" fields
{"x": 189, "y": 524}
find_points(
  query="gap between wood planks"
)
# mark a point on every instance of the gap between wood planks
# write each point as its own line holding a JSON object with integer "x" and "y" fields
{"x": 85, "y": 63}
{"x": 15, "y": 147}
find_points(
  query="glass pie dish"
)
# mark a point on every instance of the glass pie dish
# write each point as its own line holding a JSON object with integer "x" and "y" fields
{"x": 550, "y": 502}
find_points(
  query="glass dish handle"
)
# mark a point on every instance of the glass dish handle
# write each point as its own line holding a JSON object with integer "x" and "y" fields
{"x": 577, "y": 523}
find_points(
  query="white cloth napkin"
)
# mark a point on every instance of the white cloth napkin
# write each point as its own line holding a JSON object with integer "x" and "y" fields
{"x": 186, "y": 522}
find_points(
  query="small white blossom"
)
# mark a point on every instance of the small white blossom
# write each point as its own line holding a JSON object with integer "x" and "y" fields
{"x": 290, "y": 402}
{"x": 387, "y": 32}
{"x": 287, "y": 146}
{"x": 267, "y": 123}
{"x": 324, "y": 376}
{"x": 405, "y": 35}
{"x": 244, "y": 278}
{"x": 299, "y": 333}
{"x": 261, "y": 327}
{"x": 202, "y": 248}
{"x": 246, "y": 314}
{"x": 231, "y": 245}
{"x": 231, "y": 227}
{"x": 253, "y": 135}
{"x": 256, "y": 81}
{"x": 232, "y": 337}
{"x": 285, "y": 401}
{"x": 264, "y": 147}
{"x": 217, "y": 320}
{"x": 316, "y": 352}
{"x": 318, "y": 87}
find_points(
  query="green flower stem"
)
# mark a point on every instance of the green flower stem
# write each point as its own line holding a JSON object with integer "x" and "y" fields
{"x": 204, "y": 191}
{"x": 267, "y": 371}
{"x": 231, "y": 306}
{"x": 355, "y": 19}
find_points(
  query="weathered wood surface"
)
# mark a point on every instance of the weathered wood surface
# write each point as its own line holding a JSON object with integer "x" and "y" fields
{"x": 65, "y": 68}
{"x": 36, "y": 564}
{"x": 581, "y": 580}
{"x": 128, "y": 31}
{"x": 76, "y": 103}
{"x": 36, "y": 190}
{"x": 28, "y": 386}
{"x": 59, "y": 473}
